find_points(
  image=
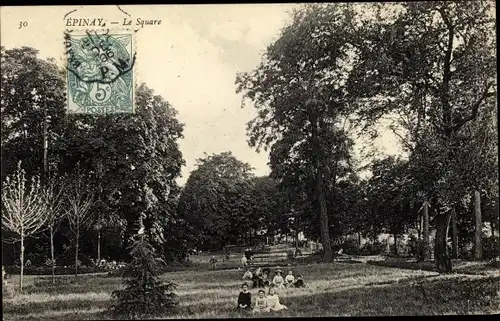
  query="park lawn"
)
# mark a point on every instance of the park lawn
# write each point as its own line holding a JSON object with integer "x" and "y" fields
{"x": 337, "y": 289}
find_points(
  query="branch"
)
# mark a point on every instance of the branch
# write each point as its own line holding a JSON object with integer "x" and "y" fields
{"x": 475, "y": 109}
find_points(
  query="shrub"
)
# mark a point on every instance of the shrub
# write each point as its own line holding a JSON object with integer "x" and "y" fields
{"x": 373, "y": 248}
{"x": 290, "y": 255}
{"x": 7, "y": 290}
{"x": 490, "y": 247}
{"x": 144, "y": 294}
{"x": 59, "y": 270}
{"x": 416, "y": 248}
{"x": 349, "y": 246}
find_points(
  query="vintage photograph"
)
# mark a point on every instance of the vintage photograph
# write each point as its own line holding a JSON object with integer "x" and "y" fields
{"x": 269, "y": 160}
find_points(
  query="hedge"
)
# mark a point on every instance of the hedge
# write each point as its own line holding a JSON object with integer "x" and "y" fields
{"x": 59, "y": 270}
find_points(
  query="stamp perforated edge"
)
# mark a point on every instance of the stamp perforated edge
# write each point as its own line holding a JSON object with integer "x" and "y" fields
{"x": 83, "y": 31}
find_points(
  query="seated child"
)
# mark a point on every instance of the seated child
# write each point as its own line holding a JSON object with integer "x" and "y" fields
{"x": 289, "y": 279}
{"x": 278, "y": 280}
{"x": 273, "y": 301}
{"x": 266, "y": 270}
{"x": 300, "y": 281}
{"x": 245, "y": 298}
{"x": 261, "y": 302}
{"x": 257, "y": 278}
{"x": 265, "y": 279}
{"x": 266, "y": 284}
{"x": 248, "y": 275}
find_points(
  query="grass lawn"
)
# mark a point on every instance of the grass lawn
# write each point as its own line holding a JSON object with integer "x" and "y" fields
{"x": 336, "y": 289}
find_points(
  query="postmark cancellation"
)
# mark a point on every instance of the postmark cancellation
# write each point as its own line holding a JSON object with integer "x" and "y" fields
{"x": 100, "y": 71}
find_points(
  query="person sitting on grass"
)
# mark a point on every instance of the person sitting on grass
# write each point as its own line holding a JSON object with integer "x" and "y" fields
{"x": 248, "y": 277}
{"x": 265, "y": 279}
{"x": 261, "y": 302}
{"x": 300, "y": 281}
{"x": 289, "y": 279}
{"x": 244, "y": 299}
{"x": 278, "y": 280}
{"x": 266, "y": 285}
{"x": 273, "y": 301}
{"x": 257, "y": 278}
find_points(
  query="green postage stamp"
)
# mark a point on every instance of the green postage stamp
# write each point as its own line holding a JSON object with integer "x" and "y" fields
{"x": 100, "y": 72}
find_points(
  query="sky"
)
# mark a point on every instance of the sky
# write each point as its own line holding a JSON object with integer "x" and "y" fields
{"x": 190, "y": 59}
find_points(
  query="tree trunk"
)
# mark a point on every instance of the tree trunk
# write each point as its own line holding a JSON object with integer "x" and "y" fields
{"x": 325, "y": 233}
{"x": 478, "y": 253}
{"x": 497, "y": 207}
{"x": 52, "y": 263}
{"x": 21, "y": 259}
{"x": 441, "y": 257}
{"x": 98, "y": 246}
{"x": 359, "y": 240}
{"x": 76, "y": 249}
{"x": 454, "y": 253}
{"x": 425, "y": 213}
{"x": 419, "y": 227}
{"x": 395, "y": 244}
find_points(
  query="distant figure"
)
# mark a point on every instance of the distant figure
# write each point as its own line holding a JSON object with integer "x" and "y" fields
{"x": 248, "y": 254}
{"x": 278, "y": 280}
{"x": 245, "y": 298}
{"x": 299, "y": 283}
{"x": 261, "y": 302}
{"x": 244, "y": 261}
{"x": 266, "y": 270}
{"x": 273, "y": 301}
{"x": 213, "y": 261}
{"x": 289, "y": 279}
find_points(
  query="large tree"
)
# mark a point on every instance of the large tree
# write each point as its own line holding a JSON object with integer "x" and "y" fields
{"x": 439, "y": 60}
{"x": 215, "y": 202}
{"x": 138, "y": 158}
{"x": 270, "y": 207}
{"x": 298, "y": 90}
{"x": 133, "y": 160}
{"x": 30, "y": 87}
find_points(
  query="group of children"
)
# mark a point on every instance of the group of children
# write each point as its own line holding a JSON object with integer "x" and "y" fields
{"x": 260, "y": 279}
{"x": 263, "y": 303}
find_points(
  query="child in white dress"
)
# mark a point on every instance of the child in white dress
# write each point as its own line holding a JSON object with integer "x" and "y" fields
{"x": 289, "y": 279}
{"x": 261, "y": 302}
{"x": 278, "y": 280}
{"x": 273, "y": 301}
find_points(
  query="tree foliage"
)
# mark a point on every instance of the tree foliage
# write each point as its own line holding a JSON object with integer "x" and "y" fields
{"x": 215, "y": 201}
